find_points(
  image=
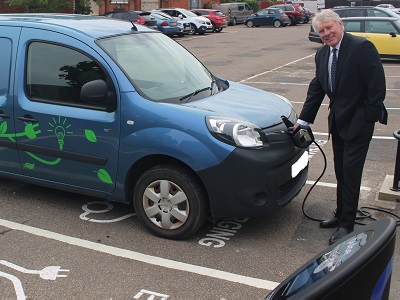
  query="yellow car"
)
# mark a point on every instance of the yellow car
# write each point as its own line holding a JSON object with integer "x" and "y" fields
{"x": 384, "y": 32}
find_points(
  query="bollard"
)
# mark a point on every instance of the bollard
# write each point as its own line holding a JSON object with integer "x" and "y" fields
{"x": 396, "y": 178}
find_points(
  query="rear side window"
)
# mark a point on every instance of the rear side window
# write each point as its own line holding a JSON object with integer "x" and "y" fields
{"x": 355, "y": 13}
{"x": 56, "y": 74}
{"x": 376, "y": 13}
{"x": 379, "y": 27}
{"x": 5, "y": 61}
{"x": 352, "y": 26}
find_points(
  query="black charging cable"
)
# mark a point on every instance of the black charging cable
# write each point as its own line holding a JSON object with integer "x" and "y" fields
{"x": 363, "y": 211}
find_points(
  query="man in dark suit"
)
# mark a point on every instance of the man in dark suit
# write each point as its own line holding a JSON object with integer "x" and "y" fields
{"x": 350, "y": 72}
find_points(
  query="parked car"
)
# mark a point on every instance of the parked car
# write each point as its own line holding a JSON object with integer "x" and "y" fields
{"x": 166, "y": 24}
{"x": 235, "y": 12}
{"x": 198, "y": 24}
{"x": 383, "y": 32}
{"x": 354, "y": 11}
{"x": 307, "y": 14}
{"x": 268, "y": 16}
{"x": 184, "y": 27}
{"x": 391, "y": 7}
{"x": 97, "y": 106}
{"x": 293, "y": 11}
{"x": 217, "y": 18}
{"x": 364, "y": 11}
{"x": 137, "y": 17}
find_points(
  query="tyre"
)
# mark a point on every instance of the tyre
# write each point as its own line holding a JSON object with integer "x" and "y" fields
{"x": 170, "y": 201}
{"x": 201, "y": 30}
{"x": 193, "y": 29}
{"x": 290, "y": 22}
{"x": 214, "y": 27}
{"x": 218, "y": 29}
{"x": 277, "y": 23}
{"x": 250, "y": 23}
{"x": 234, "y": 21}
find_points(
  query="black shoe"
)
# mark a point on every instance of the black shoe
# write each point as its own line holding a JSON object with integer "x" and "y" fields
{"x": 332, "y": 223}
{"x": 340, "y": 232}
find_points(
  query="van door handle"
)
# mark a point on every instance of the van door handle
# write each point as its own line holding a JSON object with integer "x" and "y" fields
{"x": 28, "y": 118}
{"x": 3, "y": 115}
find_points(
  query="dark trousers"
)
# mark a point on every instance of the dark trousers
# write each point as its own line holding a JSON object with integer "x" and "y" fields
{"x": 349, "y": 159}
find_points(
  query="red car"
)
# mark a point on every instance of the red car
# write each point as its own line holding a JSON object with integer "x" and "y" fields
{"x": 217, "y": 18}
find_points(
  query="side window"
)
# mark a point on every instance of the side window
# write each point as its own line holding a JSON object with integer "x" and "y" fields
{"x": 247, "y": 7}
{"x": 352, "y": 26}
{"x": 356, "y": 13}
{"x": 290, "y": 8}
{"x": 55, "y": 74}
{"x": 241, "y": 7}
{"x": 5, "y": 61}
{"x": 376, "y": 13}
{"x": 341, "y": 13}
{"x": 379, "y": 27}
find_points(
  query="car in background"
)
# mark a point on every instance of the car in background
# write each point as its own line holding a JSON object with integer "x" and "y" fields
{"x": 268, "y": 16}
{"x": 235, "y": 12}
{"x": 390, "y": 6}
{"x": 133, "y": 16}
{"x": 166, "y": 24}
{"x": 294, "y": 12}
{"x": 354, "y": 11}
{"x": 217, "y": 18}
{"x": 184, "y": 27}
{"x": 198, "y": 24}
{"x": 383, "y": 32}
{"x": 307, "y": 13}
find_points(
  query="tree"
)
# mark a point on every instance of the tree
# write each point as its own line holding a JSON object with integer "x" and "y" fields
{"x": 54, "y": 6}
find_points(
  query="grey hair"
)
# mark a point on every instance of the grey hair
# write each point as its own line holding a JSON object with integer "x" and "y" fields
{"x": 323, "y": 16}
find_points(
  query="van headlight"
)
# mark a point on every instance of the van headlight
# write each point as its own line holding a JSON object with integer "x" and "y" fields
{"x": 236, "y": 132}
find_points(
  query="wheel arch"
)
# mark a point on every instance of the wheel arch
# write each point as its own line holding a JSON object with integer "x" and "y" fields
{"x": 147, "y": 162}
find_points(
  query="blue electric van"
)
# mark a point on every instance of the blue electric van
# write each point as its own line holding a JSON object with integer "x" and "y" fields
{"x": 114, "y": 110}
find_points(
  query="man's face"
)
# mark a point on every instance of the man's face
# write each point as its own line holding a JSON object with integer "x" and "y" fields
{"x": 330, "y": 32}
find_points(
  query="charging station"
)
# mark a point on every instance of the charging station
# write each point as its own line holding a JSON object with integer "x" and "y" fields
{"x": 359, "y": 266}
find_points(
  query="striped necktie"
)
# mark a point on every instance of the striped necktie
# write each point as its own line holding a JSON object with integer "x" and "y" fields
{"x": 333, "y": 68}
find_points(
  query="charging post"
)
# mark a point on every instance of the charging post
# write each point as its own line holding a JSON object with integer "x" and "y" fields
{"x": 396, "y": 177}
{"x": 359, "y": 266}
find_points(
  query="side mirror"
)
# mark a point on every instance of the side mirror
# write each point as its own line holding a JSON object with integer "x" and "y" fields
{"x": 180, "y": 16}
{"x": 96, "y": 92}
{"x": 393, "y": 34}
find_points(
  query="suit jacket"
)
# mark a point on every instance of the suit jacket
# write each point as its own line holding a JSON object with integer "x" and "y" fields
{"x": 360, "y": 90}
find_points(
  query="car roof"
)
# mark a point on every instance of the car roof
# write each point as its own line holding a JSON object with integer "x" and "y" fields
{"x": 370, "y": 19}
{"x": 91, "y": 26}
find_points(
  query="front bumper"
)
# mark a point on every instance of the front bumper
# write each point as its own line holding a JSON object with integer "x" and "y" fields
{"x": 254, "y": 182}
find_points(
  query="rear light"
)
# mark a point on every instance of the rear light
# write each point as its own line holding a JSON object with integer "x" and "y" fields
{"x": 141, "y": 20}
{"x": 164, "y": 23}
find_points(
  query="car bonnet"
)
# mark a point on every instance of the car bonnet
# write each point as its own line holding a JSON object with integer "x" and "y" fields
{"x": 239, "y": 101}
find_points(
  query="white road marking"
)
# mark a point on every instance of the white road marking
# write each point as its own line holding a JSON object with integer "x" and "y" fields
{"x": 153, "y": 260}
{"x": 333, "y": 185}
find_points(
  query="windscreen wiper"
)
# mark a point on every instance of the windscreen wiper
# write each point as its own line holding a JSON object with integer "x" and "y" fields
{"x": 189, "y": 96}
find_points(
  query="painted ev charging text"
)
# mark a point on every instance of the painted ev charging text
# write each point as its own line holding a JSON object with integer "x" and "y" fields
{"x": 222, "y": 232}
{"x": 47, "y": 273}
{"x": 151, "y": 295}
{"x": 109, "y": 207}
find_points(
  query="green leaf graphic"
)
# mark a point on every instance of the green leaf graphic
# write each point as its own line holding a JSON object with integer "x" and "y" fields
{"x": 29, "y": 166}
{"x": 90, "y": 135}
{"x": 3, "y": 127}
{"x": 104, "y": 176}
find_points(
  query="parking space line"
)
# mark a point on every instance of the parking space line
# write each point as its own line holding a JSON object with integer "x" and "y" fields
{"x": 333, "y": 185}
{"x": 277, "y": 68}
{"x": 153, "y": 260}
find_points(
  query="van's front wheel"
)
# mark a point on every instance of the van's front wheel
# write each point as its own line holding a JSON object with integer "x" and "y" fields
{"x": 170, "y": 201}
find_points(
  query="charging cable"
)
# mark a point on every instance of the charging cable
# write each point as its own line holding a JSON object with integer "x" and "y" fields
{"x": 362, "y": 210}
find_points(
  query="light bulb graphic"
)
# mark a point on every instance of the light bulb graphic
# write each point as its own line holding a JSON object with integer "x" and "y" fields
{"x": 60, "y": 134}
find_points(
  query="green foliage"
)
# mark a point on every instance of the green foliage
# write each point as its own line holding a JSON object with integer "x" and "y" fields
{"x": 207, "y": 5}
{"x": 50, "y": 6}
{"x": 54, "y": 6}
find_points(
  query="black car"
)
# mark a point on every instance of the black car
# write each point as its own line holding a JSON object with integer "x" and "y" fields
{"x": 137, "y": 17}
{"x": 354, "y": 11}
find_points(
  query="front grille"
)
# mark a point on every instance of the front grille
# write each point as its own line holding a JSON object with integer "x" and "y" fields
{"x": 287, "y": 187}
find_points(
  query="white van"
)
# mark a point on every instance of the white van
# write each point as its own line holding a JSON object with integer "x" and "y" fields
{"x": 234, "y": 12}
